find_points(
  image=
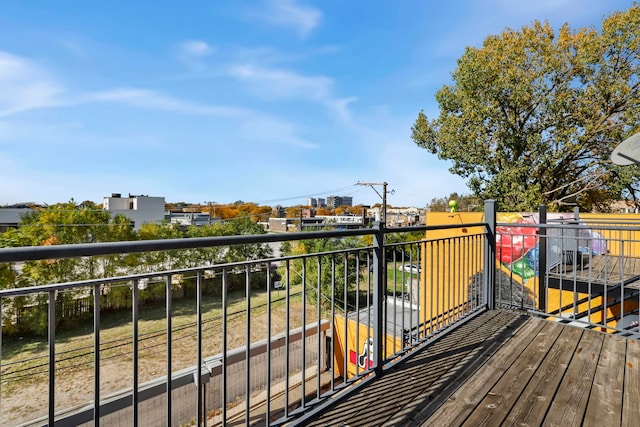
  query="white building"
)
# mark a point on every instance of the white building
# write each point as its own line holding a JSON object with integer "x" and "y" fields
{"x": 139, "y": 209}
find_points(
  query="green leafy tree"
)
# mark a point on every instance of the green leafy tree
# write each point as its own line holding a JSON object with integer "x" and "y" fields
{"x": 533, "y": 115}
{"x": 64, "y": 223}
{"x": 332, "y": 272}
{"x": 465, "y": 203}
{"x": 243, "y": 225}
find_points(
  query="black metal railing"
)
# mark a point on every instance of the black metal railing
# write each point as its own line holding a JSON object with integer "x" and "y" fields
{"x": 262, "y": 340}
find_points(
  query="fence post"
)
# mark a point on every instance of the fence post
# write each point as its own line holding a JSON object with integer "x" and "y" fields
{"x": 379, "y": 280}
{"x": 490, "y": 254}
{"x": 542, "y": 259}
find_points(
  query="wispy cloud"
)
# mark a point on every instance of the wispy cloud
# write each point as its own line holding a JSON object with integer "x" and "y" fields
{"x": 25, "y": 86}
{"x": 74, "y": 48}
{"x": 154, "y": 100}
{"x": 193, "y": 53}
{"x": 196, "y": 48}
{"x": 278, "y": 83}
{"x": 289, "y": 14}
{"x": 274, "y": 83}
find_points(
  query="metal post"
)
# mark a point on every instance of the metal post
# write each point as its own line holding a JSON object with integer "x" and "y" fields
{"x": 96, "y": 355}
{"x": 199, "y": 391}
{"x": 224, "y": 384}
{"x": 379, "y": 266}
{"x": 168, "y": 307}
{"x": 52, "y": 356}
{"x": 490, "y": 254}
{"x": 134, "y": 318}
{"x": 542, "y": 260}
{"x": 268, "y": 400}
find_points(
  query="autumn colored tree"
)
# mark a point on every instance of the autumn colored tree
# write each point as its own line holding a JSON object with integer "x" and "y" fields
{"x": 295, "y": 211}
{"x": 533, "y": 115}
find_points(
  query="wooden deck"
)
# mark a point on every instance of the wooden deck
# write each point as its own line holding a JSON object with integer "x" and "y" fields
{"x": 503, "y": 368}
{"x": 603, "y": 269}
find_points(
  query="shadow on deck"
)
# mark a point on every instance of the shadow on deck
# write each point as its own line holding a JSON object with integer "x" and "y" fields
{"x": 503, "y": 368}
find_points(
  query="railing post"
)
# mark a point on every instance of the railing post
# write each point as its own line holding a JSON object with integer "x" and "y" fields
{"x": 379, "y": 280}
{"x": 542, "y": 259}
{"x": 490, "y": 254}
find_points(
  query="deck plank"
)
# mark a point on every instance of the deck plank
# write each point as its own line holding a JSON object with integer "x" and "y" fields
{"x": 538, "y": 395}
{"x": 429, "y": 369}
{"x": 495, "y": 406}
{"x": 631, "y": 395}
{"x": 462, "y": 402}
{"x": 605, "y": 401}
{"x": 502, "y": 368}
{"x": 569, "y": 404}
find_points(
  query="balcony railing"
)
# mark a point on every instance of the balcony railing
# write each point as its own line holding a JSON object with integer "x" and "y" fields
{"x": 275, "y": 340}
{"x": 268, "y": 340}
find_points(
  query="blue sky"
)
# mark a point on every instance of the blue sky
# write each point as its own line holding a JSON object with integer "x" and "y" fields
{"x": 270, "y": 101}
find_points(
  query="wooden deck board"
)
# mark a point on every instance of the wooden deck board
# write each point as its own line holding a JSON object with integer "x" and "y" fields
{"x": 605, "y": 402}
{"x": 497, "y": 403}
{"x": 528, "y": 371}
{"x": 631, "y": 395}
{"x": 426, "y": 372}
{"x": 600, "y": 269}
{"x": 460, "y": 405}
{"x": 538, "y": 394}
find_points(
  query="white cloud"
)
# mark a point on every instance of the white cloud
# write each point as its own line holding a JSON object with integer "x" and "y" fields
{"x": 275, "y": 83}
{"x": 193, "y": 53}
{"x": 196, "y": 48}
{"x": 153, "y": 100}
{"x": 25, "y": 86}
{"x": 289, "y": 14}
{"x": 283, "y": 83}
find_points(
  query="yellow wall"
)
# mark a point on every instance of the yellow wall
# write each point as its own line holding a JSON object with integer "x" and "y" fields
{"x": 355, "y": 348}
{"x": 451, "y": 257}
{"x": 631, "y": 238}
{"x": 446, "y": 287}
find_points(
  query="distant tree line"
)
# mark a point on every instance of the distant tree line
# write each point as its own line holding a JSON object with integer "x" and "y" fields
{"x": 71, "y": 223}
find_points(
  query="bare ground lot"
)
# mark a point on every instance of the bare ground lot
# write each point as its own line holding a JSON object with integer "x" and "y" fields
{"x": 24, "y": 375}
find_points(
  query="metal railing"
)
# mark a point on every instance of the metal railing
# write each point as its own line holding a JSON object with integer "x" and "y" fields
{"x": 264, "y": 341}
{"x": 577, "y": 269}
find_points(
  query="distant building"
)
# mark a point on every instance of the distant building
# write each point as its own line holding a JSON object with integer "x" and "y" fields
{"x": 279, "y": 225}
{"x": 11, "y": 216}
{"x": 139, "y": 209}
{"x": 335, "y": 201}
{"x": 316, "y": 203}
{"x": 190, "y": 218}
{"x": 278, "y": 211}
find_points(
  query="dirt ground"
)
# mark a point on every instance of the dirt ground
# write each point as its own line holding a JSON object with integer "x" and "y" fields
{"x": 25, "y": 398}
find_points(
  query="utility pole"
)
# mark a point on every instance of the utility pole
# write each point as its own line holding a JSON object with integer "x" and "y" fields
{"x": 383, "y": 196}
{"x": 209, "y": 203}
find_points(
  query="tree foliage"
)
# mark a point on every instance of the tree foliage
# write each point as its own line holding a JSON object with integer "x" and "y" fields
{"x": 69, "y": 223}
{"x": 328, "y": 273}
{"x": 465, "y": 203}
{"x": 533, "y": 115}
